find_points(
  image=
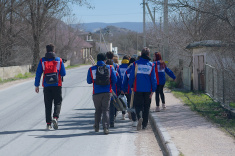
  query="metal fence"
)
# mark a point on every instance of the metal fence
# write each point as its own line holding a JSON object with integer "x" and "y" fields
{"x": 220, "y": 84}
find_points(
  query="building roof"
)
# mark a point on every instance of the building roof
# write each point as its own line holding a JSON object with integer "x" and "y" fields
{"x": 209, "y": 43}
{"x": 85, "y": 44}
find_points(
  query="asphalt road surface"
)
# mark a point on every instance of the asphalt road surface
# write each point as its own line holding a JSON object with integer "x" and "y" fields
{"x": 22, "y": 124}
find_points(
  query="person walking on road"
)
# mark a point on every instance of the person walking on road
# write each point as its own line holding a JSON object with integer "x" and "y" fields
{"x": 126, "y": 89}
{"x": 110, "y": 56}
{"x": 121, "y": 71}
{"x": 115, "y": 88}
{"x": 115, "y": 60}
{"x": 160, "y": 69}
{"x": 103, "y": 77}
{"x": 143, "y": 83}
{"x": 53, "y": 70}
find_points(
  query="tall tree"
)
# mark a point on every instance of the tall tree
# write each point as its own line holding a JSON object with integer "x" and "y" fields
{"x": 39, "y": 13}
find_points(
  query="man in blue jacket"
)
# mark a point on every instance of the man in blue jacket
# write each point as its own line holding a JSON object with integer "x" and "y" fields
{"x": 53, "y": 69}
{"x": 102, "y": 90}
{"x": 143, "y": 84}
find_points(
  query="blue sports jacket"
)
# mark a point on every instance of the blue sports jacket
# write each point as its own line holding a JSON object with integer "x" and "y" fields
{"x": 145, "y": 80}
{"x": 116, "y": 66}
{"x": 160, "y": 73}
{"x": 121, "y": 70}
{"x": 91, "y": 76}
{"x": 60, "y": 69}
{"x": 125, "y": 85}
{"x": 116, "y": 87}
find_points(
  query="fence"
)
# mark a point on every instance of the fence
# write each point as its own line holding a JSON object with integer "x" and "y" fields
{"x": 220, "y": 84}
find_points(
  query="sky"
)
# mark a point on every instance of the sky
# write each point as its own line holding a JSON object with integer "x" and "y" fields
{"x": 110, "y": 11}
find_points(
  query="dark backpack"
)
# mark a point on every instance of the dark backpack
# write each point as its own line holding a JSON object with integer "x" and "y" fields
{"x": 102, "y": 76}
{"x": 50, "y": 72}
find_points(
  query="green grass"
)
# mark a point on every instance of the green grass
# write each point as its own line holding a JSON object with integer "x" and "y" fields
{"x": 73, "y": 66}
{"x": 206, "y": 107}
{"x": 232, "y": 104}
{"x": 181, "y": 154}
{"x": 18, "y": 77}
{"x": 77, "y": 65}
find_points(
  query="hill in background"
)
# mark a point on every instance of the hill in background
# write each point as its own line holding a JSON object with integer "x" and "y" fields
{"x": 93, "y": 27}
{"x": 112, "y": 30}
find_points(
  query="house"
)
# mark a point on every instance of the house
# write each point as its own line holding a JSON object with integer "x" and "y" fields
{"x": 214, "y": 68}
{"x": 82, "y": 52}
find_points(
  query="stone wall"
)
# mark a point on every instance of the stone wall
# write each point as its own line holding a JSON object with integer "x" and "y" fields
{"x": 12, "y": 71}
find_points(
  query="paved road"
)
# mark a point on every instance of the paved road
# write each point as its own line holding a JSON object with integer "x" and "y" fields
{"x": 22, "y": 124}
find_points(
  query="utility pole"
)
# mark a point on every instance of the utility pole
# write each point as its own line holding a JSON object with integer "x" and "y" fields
{"x": 100, "y": 41}
{"x": 137, "y": 43}
{"x": 154, "y": 10}
{"x": 102, "y": 37}
{"x": 166, "y": 33}
{"x": 160, "y": 24}
{"x": 150, "y": 13}
{"x": 144, "y": 29}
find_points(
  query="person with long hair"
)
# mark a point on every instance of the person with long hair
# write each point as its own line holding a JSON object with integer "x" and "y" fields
{"x": 160, "y": 70}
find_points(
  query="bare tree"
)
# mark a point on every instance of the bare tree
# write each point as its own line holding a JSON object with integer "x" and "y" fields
{"x": 8, "y": 31}
{"x": 38, "y": 14}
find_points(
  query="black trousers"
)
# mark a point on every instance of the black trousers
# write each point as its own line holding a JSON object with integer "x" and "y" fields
{"x": 158, "y": 91}
{"x": 133, "y": 115}
{"x": 53, "y": 93}
{"x": 142, "y": 105}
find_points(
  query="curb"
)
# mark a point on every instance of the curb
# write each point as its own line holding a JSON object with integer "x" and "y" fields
{"x": 164, "y": 136}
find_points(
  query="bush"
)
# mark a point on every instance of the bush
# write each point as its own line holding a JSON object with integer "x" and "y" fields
{"x": 232, "y": 104}
{"x": 171, "y": 84}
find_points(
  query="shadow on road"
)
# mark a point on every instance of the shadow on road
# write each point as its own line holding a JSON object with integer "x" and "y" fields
{"x": 81, "y": 124}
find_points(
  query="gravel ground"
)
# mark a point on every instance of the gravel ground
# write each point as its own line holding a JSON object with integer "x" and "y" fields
{"x": 192, "y": 134}
{"x": 147, "y": 142}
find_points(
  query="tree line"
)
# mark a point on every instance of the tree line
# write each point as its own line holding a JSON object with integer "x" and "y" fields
{"x": 26, "y": 26}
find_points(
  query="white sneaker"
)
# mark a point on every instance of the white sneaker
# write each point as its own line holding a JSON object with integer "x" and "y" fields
{"x": 48, "y": 127}
{"x": 55, "y": 123}
{"x": 129, "y": 115}
{"x": 134, "y": 124}
{"x": 163, "y": 106}
{"x": 139, "y": 124}
{"x": 123, "y": 116}
{"x": 157, "y": 109}
{"x": 126, "y": 115}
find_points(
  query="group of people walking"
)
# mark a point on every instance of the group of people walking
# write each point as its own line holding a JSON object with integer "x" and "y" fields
{"x": 140, "y": 77}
